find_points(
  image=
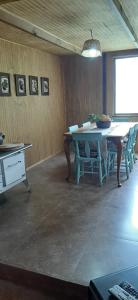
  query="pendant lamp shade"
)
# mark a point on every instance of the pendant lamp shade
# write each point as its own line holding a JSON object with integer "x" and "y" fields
{"x": 91, "y": 48}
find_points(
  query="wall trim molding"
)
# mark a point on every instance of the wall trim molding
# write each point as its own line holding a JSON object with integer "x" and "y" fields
{"x": 43, "y": 160}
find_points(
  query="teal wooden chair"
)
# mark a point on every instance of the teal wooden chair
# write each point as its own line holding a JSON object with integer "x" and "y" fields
{"x": 134, "y": 143}
{"x": 127, "y": 154}
{"x": 129, "y": 150}
{"x": 86, "y": 124}
{"x": 90, "y": 159}
{"x": 120, "y": 119}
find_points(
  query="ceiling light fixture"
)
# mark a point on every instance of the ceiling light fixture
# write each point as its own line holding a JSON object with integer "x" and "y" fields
{"x": 91, "y": 48}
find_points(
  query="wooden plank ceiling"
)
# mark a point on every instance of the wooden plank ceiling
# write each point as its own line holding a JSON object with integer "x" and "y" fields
{"x": 61, "y": 27}
{"x": 131, "y": 9}
{"x": 16, "y": 35}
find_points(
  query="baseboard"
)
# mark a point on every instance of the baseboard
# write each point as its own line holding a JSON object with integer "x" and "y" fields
{"x": 43, "y": 160}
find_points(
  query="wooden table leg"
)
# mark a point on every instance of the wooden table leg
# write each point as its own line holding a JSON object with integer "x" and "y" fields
{"x": 67, "y": 142}
{"x": 119, "y": 146}
{"x": 118, "y": 143}
{"x": 119, "y": 156}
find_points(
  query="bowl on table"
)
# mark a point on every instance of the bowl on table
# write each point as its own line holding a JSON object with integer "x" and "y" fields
{"x": 103, "y": 124}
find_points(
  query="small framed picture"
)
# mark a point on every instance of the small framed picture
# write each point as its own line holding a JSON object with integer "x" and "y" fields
{"x": 33, "y": 85}
{"x": 5, "y": 89}
{"x": 44, "y": 86}
{"x": 20, "y": 85}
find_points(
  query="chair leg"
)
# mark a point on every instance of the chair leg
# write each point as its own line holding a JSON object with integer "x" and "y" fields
{"x": 108, "y": 164}
{"x": 131, "y": 161}
{"x": 82, "y": 168}
{"x": 134, "y": 156}
{"x": 126, "y": 164}
{"x": 100, "y": 173}
{"x": 74, "y": 167}
{"x": 111, "y": 163}
{"x": 105, "y": 168}
{"x": 78, "y": 172}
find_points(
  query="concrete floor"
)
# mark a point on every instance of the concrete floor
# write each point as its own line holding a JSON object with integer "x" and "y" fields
{"x": 70, "y": 232}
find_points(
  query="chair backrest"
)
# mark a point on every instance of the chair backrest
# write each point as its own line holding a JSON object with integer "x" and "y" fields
{"x": 120, "y": 119}
{"x": 135, "y": 133}
{"x": 86, "y": 124}
{"x": 73, "y": 128}
{"x": 90, "y": 142}
{"x": 136, "y": 127}
{"x": 130, "y": 141}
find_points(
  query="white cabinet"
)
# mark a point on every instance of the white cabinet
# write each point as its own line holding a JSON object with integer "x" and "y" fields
{"x": 12, "y": 169}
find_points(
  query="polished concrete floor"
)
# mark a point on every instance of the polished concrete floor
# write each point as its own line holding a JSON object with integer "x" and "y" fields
{"x": 71, "y": 232}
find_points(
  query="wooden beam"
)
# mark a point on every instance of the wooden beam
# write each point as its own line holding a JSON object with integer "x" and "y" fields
{"x": 125, "y": 21}
{"x": 7, "y": 1}
{"x": 37, "y": 31}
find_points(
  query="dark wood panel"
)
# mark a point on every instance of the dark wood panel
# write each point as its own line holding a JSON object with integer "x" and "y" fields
{"x": 83, "y": 82}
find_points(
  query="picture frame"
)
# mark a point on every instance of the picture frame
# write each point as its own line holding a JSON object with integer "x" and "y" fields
{"x": 44, "y": 86}
{"x": 20, "y": 85}
{"x": 5, "y": 87}
{"x": 33, "y": 85}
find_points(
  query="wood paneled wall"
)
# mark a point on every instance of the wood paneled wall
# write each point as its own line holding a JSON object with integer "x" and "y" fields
{"x": 39, "y": 120}
{"x": 83, "y": 93}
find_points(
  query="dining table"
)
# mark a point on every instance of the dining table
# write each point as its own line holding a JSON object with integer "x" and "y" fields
{"x": 115, "y": 133}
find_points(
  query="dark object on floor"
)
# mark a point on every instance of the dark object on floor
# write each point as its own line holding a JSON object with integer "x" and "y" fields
{"x": 98, "y": 288}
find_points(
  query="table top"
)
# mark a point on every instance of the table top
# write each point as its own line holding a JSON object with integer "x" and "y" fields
{"x": 98, "y": 287}
{"x": 6, "y": 154}
{"x": 117, "y": 129}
